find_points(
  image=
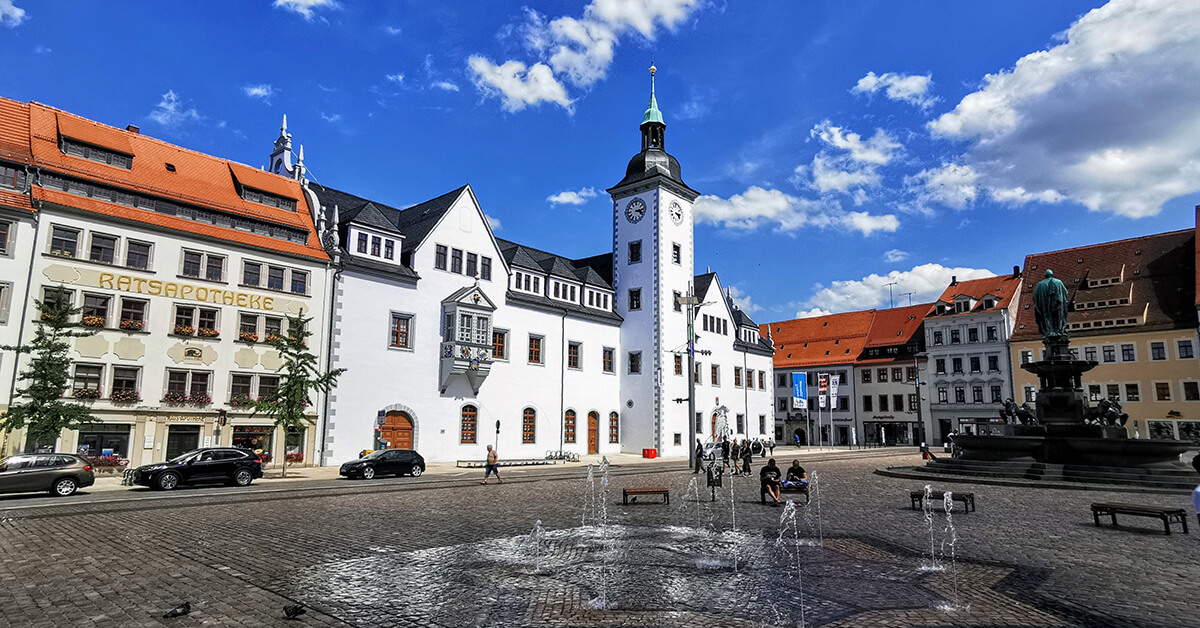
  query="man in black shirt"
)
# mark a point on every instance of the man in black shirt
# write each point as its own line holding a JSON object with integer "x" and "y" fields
{"x": 769, "y": 475}
{"x": 796, "y": 477}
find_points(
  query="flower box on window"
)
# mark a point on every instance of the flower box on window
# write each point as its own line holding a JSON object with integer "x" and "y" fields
{"x": 174, "y": 397}
{"x": 124, "y": 396}
{"x": 248, "y": 336}
{"x": 86, "y": 394}
{"x": 237, "y": 401}
{"x": 275, "y": 338}
{"x": 109, "y": 464}
{"x": 184, "y": 330}
{"x": 295, "y": 457}
{"x": 199, "y": 399}
{"x": 205, "y": 332}
{"x": 265, "y": 456}
{"x": 132, "y": 325}
{"x": 92, "y": 321}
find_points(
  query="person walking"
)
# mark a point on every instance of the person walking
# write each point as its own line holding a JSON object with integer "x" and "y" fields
{"x": 699, "y": 456}
{"x": 746, "y": 452}
{"x": 492, "y": 466}
{"x": 771, "y": 445}
{"x": 735, "y": 452}
{"x": 724, "y": 453}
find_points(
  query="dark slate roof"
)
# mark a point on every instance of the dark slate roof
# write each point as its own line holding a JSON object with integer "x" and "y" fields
{"x": 380, "y": 269}
{"x": 602, "y": 265}
{"x": 741, "y": 319}
{"x": 579, "y": 270}
{"x": 701, "y": 282}
{"x": 414, "y": 222}
{"x": 545, "y": 304}
{"x": 762, "y": 347}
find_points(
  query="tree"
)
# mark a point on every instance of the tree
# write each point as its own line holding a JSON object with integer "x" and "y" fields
{"x": 46, "y": 413}
{"x": 300, "y": 376}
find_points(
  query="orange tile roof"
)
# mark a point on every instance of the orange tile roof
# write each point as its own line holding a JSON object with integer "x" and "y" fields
{"x": 1003, "y": 287}
{"x": 897, "y": 325}
{"x": 1159, "y": 271}
{"x": 19, "y": 200}
{"x": 820, "y": 340}
{"x": 196, "y": 179}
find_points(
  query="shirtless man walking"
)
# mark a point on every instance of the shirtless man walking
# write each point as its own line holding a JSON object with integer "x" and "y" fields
{"x": 492, "y": 466}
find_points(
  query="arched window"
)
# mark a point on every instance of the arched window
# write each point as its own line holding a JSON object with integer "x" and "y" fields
{"x": 470, "y": 421}
{"x": 569, "y": 427}
{"x": 529, "y": 425}
{"x": 614, "y": 428}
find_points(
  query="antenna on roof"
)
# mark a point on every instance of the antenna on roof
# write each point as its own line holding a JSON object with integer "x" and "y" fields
{"x": 909, "y": 295}
{"x": 891, "y": 300}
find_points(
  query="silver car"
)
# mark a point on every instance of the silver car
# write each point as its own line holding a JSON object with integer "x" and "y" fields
{"x": 60, "y": 474}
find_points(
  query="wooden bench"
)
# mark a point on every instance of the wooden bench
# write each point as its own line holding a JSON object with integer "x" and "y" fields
{"x": 1166, "y": 515}
{"x": 918, "y": 499}
{"x": 784, "y": 490}
{"x": 626, "y": 493}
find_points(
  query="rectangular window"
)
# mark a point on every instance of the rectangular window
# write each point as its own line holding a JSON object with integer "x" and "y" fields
{"x": 737, "y": 377}
{"x": 1132, "y": 393}
{"x": 10, "y": 177}
{"x": 977, "y": 394}
{"x": 882, "y": 376}
{"x": 472, "y": 264}
{"x": 456, "y": 261}
{"x": 678, "y": 364}
{"x": 267, "y": 385}
{"x": 214, "y": 267}
{"x": 866, "y": 377}
{"x": 940, "y": 366}
{"x": 716, "y": 375}
{"x": 95, "y": 307}
{"x": 635, "y": 298}
{"x": 535, "y": 349}
{"x": 635, "y": 362}
{"x": 897, "y": 374}
{"x": 241, "y": 385}
{"x": 466, "y": 327}
{"x": 1158, "y": 351}
{"x": 251, "y": 273}
{"x": 104, "y": 249}
{"x": 389, "y": 249}
{"x": 675, "y": 297}
{"x": 272, "y": 326}
{"x": 177, "y": 383}
{"x": 125, "y": 380}
{"x": 87, "y": 377}
{"x": 960, "y": 394}
{"x": 439, "y": 258}
{"x": 274, "y": 278}
{"x": 957, "y": 364}
{"x": 401, "y": 335}
{"x": 991, "y": 334}
{"x": 955, "y": 336}
{"x": 376, "y": 246}
{"x": 499, "y": 344}
{"x": 867, "y": 403}
{"x": 1114, "y": 391}
{"x": 1191, "y": 391}
{"x": 199, "y": 386}
{"x": 573, "y": 350}
{"x": 133, "y": 314}
{"x": 5, "y": 230}
{"x": 1162, "y": 391}
{"x": 912, "y": 401}
{"x": 1026, "y": 357}
{"x": 975, "y": 368}
{"x": 609, "y": 358}
{"x": 898, "y": 403}
{"x": 943, "y": 395}
{"x": 362, "y": 243}
{"x": 997, "y": 395}
{"x": 993, "y": 363}
{"x": 299, "y": 282}
{"x": 485, "y": 268}
{"x": 1185, "y": 349}
{"x": 883, "y": 403}
{"x": 247, "y": 324}
{"x": 937, "y": 337}
{"x": 64, "y": 242}
{"x": 972, "y": 334}
{"x": 206, "y": 322}
{"x": 1110, "y": 353}
{"x": 910, "y": 374}
{"x": 676, "y": 254}
{"x": 635, "y": 251}
{"x": 762, "y": 377}
{"x": 1089, "y": 354}
{"x": 192, "y": 263}
{"x": 1127, "y": 353}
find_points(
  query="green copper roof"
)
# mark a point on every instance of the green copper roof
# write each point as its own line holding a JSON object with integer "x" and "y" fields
{"x": 652, "y": 112}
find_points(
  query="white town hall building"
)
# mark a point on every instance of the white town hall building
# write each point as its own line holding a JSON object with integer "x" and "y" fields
{"x": 454, "y": 339}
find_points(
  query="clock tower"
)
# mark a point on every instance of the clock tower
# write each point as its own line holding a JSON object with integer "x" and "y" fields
{"x": 652, "y": 265}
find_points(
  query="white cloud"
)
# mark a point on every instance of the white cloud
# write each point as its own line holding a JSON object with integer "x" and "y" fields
{"x": 445, "y": 85}
{"x": 849, "y": 163}
{"x": 952, "y": 185}
{"x": 306, "y": 8}
{"x": 895, "y": 255}
{"x": 42, "y": 50}
{"x": 172, "y": 111}
{"x": 262, "y": 91}
{"x": 812, "y": 313}
{"x": 758, "y": 207}
{"x": 494, "y": 223}
{"x": 743, "y": 301}
{"x": 830, "y": 174}
{"x": 516, "y": 85}
{"x": 332, "y": 118}
{"x": 1107, "y": 118}
{"x": 571, "y": 197}
{"x": 926, "y": 282}
{"x": 392, "y": 30}
{"x": 396, "y": 78}
{"x": 578, "y": 50}
{"x": 910, "y": 88}
{"x": 10, "y": 14}
{"x": 878, "y": 150}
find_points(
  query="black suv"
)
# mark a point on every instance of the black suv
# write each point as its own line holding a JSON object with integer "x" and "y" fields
{"x": 231, "y": 465}
{"x": 385, "y": 462}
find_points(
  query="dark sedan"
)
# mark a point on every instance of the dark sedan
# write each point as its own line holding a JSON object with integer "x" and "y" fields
{"x": 238, "y": 467}
{"x": 61, "y": 474}
{"x": 385, "y": 462}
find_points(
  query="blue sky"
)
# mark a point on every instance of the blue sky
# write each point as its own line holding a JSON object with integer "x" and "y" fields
{"x": 839, "y": 146}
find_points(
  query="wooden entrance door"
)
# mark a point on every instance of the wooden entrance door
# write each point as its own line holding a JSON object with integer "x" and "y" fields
{"x": 715, "y": 436}
{"x": 397, "y": 430}
{"x": 593, "y": 432}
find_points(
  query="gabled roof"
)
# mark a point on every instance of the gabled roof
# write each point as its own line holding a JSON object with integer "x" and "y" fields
{"x": 820, "y": 340}
{"x": 414, "y": 222}
{"x": 368, "y": 215}
{"x": 159, "y": 170}
{"x": 1002, "y": 288}
{"x": 1157, "y": 271}
{"x": 562, "y": 267}
{"x": 896, "y": 326}
{"x": 701, "y": 282}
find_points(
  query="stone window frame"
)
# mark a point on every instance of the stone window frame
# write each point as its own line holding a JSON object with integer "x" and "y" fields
{"x": 394, "y": 319}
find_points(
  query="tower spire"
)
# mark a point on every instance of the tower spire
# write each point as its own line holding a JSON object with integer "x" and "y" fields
{"x": 653, "y": 127}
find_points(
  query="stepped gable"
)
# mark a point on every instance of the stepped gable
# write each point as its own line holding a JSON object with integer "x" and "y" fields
{"x": 156, "y": 170}
{"x": 820, "y": 340}
{"x": 1140, "y": 284}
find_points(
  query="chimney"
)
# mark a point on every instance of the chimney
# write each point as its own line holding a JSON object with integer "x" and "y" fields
{"x": 132, "y": 128}
{"x": 1016, "y": 271}
{"x": 953, "y": 280}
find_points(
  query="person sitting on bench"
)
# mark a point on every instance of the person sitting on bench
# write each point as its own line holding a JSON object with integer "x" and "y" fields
{"x": 796, "y": 477}
{"x": 769, "y": 475}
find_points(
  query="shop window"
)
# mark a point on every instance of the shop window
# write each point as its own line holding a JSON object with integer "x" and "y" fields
{"x": 469, "y": 425}
{"x": 253, "y": 437}
{"x": 293, "y": 444}
{"x": 614, "y": 428}
{"x": 102, "y": 440}
{"x": 529, "y": 426}
{"x": 569, "y": 427}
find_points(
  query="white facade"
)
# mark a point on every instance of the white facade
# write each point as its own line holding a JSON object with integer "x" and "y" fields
{"x": 17, "y": 228}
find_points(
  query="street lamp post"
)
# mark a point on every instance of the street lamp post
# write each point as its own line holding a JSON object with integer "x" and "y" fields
{"x": 917, "y": 388}
{"x": 689, "y": 303}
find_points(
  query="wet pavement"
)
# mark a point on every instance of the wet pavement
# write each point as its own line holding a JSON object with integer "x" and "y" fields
{"x": 441, "y": 550}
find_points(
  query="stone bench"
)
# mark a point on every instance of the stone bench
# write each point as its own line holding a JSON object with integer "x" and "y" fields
{"x": 918, "y": 499}
{"x": 626, "y": 493}
{"x": 1166, "y": 515}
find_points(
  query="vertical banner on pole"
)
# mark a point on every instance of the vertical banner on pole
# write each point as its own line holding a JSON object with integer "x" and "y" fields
{"x": 799, "y": 392}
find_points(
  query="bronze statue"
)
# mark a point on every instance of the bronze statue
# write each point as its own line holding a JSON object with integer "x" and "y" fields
{"x": 1012, "y": 413}
{"x": 1050, "y": 307}
{"x": 1106, "y": 412}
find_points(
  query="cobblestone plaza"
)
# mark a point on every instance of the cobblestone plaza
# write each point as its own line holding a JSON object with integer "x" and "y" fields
{"x": 444, "y": 551}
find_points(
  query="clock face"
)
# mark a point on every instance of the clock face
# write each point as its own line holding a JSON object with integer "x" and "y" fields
{"x": 676, "y": 213}
{"x": 635, "y": 210}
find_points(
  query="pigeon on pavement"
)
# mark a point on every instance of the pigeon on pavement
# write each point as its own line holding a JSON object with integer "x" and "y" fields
{"x": 183, "y": 609}
{"x": 294, "y": 611}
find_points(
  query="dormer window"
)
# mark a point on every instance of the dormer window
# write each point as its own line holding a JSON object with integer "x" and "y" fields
{"x": 97, "y": 154}
{"x": 989, "y": 303}
{"x": 268, "y": 199}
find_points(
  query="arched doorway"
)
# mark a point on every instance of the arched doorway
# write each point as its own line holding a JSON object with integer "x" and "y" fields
{"x": 800, "y": 437}
{"x": 397, "y": 430}
{"x": 593, "y": 432}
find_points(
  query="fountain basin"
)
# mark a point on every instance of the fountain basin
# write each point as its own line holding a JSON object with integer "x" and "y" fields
{"x": 996, "y": 448}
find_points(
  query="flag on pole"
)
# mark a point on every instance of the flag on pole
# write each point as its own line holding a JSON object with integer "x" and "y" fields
{"x": 799, "y": 391}
{"x": 834, "y": 381}
{"x": 823, "y": 388}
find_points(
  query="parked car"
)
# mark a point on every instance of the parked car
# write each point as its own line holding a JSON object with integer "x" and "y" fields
{"x": 385, "y": 462}
{"x": 61, "y": 474}
{"x": 231, "y": 465}
{"x": 712, "y": 451}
